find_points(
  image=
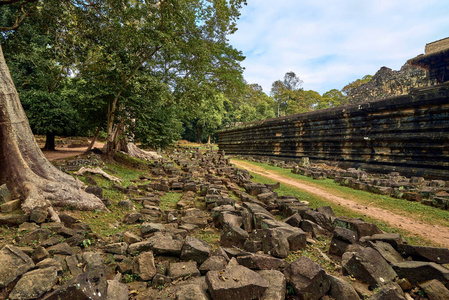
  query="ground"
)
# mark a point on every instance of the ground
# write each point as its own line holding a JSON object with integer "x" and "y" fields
{"x": 435, "y": 233}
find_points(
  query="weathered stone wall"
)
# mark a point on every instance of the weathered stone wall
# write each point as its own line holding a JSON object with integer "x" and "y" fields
{"x": 437, "y": 46}
{"x": 408, "y": 134}
{"x": 388, "y": 83}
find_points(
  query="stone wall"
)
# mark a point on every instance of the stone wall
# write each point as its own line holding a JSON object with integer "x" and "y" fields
{"x": 408, "y": 134}
{"x": 387, "y": 83}
{"x": 437, "y": 46}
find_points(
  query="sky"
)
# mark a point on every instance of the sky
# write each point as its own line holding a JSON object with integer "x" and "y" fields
{"x": 330, "y": 43}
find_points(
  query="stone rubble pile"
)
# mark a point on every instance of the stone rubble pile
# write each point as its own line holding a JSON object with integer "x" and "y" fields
{"x": 262, "y": 237}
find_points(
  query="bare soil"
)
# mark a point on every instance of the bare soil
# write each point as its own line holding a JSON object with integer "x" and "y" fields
{"x": 435, "y": 233}
{"x": 62, "y": 153}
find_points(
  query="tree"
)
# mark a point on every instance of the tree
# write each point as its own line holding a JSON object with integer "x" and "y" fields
{"x": 332, "y": 98}
{"x": 116, "y": 39}
{"x": 40, "y": 72}
{"x": 183, "y": 43}
{"x": 288, "y": 93}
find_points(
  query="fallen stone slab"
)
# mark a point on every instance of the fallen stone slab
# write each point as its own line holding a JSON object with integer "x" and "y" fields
{"x": 394, "y": 239}
{"x": 262, "y": 262}
{"x": 143, "y": 265}
{"x": 275, "y": 243}
{"x": 387, "y": 251}
{"x": 370, "y": 267}
{"x": 233, "y": 236}
{"x": 308, "y": 279}
{"x": 13, "y": 263}
{"x": 390, "y": 291}
{"x": 341, "y": 239}
{"x": 435, "y": 290}
{"x": 34, "y": 284}
{"x": 359, "y": 226}
{"x": 277, "y": 285}
{"x": 183, "y": 269}
{"x": 166, "y": 244}
{"x": 341, "y": 289}
{"x": 234, "y": 283}
{"x": 116, "y": 248}
{"x": 417, "y": 271}
{"x": 117, "y": 290}
{"x": 294, "y": 220}
{"x": 190, "y": 292}
{"x": 63, "y": 249}
{"x": 213, "y": 263}
{"x": 422, "y": 253}
{"x": 195, "y": 249}
{"x": 149, "y": 227}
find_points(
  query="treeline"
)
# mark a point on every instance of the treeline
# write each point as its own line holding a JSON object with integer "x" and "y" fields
{"x": 251, "y": 104}
{"x": 147, "y": 71}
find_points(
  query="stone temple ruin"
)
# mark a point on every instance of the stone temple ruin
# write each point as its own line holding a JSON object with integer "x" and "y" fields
{"x": 408, "y": 134}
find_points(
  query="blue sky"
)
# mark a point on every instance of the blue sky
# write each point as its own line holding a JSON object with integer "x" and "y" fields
{"x": 329, "y": 43}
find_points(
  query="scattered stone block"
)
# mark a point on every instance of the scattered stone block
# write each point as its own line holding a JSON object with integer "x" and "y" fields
{"x": 213, "y": 263}
{"x": 190, "y": 292}
{"x": 149, "y": 227}
{"x": 131, "y": 238}
{"x": 341, "y": 289}
{"x": 308, "y": 279}
{"x": 183, "y": 269}
{"x": 236, "y": 282}
{"x": 435, "y": 290}
{"x": 10, "y": 206}
{"x": 233, "y": 236}
{"x": 34, "y": 284}
{"x": 387, "y": 251}
{"x": 417, "y": 272}
{"x": 13, "y": 263}
{"x": 116, "y": 290}
{"x": 389, "y": 291}
{"x": 370, "y": 267}
{"x": 261, "y": 262}
{"x": 276, "y": 285}
{"x": 38, "y": 216}
{"x": 423, "y": 253}
{"x": 195, "y": 249}
{"x": 143, "y": 265}
{"x": 132, "y": 218}
{"x": 63, "y": 249}
{"x": 117, "y": 248}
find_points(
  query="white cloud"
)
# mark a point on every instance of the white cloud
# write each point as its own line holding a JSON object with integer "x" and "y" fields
{"x": 331, "y": 43}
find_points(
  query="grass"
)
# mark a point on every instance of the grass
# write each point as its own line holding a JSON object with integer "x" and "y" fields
{"x": 169, "y": 201}
{"x": 109, "y": 223}
{"x": 413, "y": 209}
{"x": 211, "y": 235}
{"x": 326, "y": 262}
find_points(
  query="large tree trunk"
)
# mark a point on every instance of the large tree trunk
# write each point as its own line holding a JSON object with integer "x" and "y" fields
{"x": 50, "y": 141}
{"x": 26, "y": 171}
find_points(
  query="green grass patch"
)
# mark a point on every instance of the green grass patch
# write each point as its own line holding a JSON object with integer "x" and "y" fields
{"x": 211, "y": 235}
{"x": 322, "y": 244}
{"x": 169, "y": 201}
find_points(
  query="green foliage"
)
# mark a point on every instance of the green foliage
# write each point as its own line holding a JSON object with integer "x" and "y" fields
{"x": 49, "y": 112}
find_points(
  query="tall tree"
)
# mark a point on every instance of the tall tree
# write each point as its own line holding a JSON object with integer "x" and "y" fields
{"x": 182, "y": 42}
{"x": 288, "y": 93}
{"x": 159, "y": 25}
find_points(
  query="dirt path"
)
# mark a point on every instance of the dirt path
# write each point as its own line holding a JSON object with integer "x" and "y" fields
{"x": 435, "y": 233}
{"x": 61, "y": 153}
